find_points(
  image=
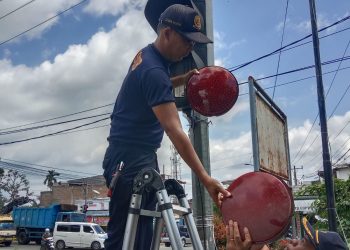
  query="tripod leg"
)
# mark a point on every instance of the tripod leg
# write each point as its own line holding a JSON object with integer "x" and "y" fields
{"x": 131, "y": 223}
{"x": 168, "y": 215}
{"x": 158, "y": 229}
{"x": 191, "y": 225}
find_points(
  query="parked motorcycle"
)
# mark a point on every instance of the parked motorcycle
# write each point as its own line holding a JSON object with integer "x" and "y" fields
{"x": 47, "y": 244}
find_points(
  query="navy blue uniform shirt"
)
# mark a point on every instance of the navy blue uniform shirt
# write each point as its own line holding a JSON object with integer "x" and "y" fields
{"x": 146, "y": 85}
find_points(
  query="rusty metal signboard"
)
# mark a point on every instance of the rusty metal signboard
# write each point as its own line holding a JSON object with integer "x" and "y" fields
{"x": 269, "y": 133}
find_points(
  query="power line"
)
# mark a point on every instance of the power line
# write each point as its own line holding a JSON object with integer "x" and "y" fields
{"x": 341, "y": 99}
{"x": 51, "y": 134}
{"x": 290, "y": 44}
{"x": 49, "y": 19}
{"x": 35, "y": 170}
{"x": 50, "y": 125}
{"x": 20, "y": 7}
{"x": 336, "y": 72}
{"x": 321, "y": 37}
{"x": 86, "y": 129}
{"x": 59, "y": 117}
{"x": 280, "y": 52}
{"x": 340, "y": 148}
{"x": 47, "y": 167}
{"x": 299, "y": 69}
{"x": 238, "y": 65}
{"x": 333, "y": 141}
{"x": 341, "y": 157}
{"x": 294, "y": 81}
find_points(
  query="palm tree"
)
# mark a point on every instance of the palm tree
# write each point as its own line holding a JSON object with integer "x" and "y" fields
{"x": 50, "y": 178}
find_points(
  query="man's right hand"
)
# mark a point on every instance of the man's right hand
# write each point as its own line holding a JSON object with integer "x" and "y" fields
{"x": 216, "y": 191}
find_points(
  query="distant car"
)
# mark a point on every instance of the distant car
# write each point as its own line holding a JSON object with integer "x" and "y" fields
{"x": 79, "y": 235}
{"x": 185, "y": 237}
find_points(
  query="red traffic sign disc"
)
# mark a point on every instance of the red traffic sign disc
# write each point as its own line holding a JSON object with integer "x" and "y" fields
{"x": 261, "y": 202}
{"x": 213, "y": 91}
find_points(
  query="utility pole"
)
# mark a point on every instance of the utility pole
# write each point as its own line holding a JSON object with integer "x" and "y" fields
{"x": 175, "y": 163}
{"x": 295, "y": 175}
{"x": 327, "y": 166}
{"x": 199, "y": 135}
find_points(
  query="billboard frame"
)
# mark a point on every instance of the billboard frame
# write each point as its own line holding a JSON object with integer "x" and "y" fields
{"x": 255, "y": 92}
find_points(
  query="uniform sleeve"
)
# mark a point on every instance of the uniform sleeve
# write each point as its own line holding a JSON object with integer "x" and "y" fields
{"x": 157, "y": 87}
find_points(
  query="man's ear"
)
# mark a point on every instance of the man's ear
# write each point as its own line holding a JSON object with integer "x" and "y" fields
{"x": 167, "y": 33}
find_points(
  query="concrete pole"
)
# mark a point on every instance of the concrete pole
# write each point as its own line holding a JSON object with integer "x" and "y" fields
{"x": 327, "y": 166}
{"x": 199, "y": 135}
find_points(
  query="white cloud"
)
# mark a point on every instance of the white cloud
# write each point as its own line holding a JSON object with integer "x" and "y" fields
{"x": 224, "y": 59}
{"x": 39, "y": 11}
{"x": 84, "y": 76}
{"x": 310, "y": 155}
{"x": 112, "y": 7}
{"x": 241, "y": 106}
{"x": 305, "y": 25}
{"x": 28, "y": 17}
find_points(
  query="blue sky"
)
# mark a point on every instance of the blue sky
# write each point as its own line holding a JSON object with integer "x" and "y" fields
{"x": 78, "y": 60}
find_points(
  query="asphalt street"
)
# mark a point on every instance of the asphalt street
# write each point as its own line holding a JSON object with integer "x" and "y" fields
{"x": 33, "y": 246}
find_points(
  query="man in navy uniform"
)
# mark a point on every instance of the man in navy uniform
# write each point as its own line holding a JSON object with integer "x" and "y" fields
{"x": 144, "y": 109}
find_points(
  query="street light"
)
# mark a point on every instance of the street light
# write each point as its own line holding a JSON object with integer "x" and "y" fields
{"x": 95, "y": 191}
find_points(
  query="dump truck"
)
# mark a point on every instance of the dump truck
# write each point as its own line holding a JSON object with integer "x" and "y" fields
{"x": 31, "y": 222}
{"x": 7, "y": 229}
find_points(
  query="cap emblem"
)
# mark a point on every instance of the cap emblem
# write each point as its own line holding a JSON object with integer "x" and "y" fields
{"x": 197, "y": 22}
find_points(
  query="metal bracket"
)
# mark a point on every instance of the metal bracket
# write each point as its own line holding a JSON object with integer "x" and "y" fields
{"x": 147, "y": 180}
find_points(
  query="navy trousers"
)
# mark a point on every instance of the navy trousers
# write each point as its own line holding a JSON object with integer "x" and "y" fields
{"x": 134, "y": 159}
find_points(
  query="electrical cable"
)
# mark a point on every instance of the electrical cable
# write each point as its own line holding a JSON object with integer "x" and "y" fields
{"x": 59, "y": 117}
{"x": 50, "y": 134}
{"x": 336, "y": 106}
{"x": 336, "y": 73}
{"x": 49, "y": 125}
{"x": 321, "y": 37}
{"x": 290, "y": 44}
{"x": 280, "y": 52}
{"x": 113, "y": 103}
{"x": 86, "y": 129}
{"x": 300, "y": 69}
{"x": 54, "y": 168}
{"x": 333, "y": 139}
{"x": 43, "y": 22}
{"x": 20, "y": 7}
{"x": 36, "y": 170}
{"x": 294, "y": 81}
{"x": 341, "y": 157}
{"x": 340, "y": 147}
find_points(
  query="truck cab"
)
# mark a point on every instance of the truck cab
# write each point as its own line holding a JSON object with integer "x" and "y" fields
{"x": 7, "y": 230}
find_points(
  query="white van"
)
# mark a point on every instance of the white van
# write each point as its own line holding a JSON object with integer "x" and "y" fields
{"x": 79, "y": 235}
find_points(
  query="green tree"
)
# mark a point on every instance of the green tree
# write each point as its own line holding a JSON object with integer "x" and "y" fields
{"x": 342, "y": 203}
{"x": 14, "y": 185}
{"x": 50, "y": 178}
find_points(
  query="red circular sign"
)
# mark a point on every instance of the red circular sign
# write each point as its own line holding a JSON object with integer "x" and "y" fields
{"x": 213, "y": 92}
{"x": 261, "y": 202}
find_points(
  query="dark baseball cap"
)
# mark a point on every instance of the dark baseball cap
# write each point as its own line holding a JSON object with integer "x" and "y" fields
{"x": 186, "y": 21}
{"x": 323, "y": 240}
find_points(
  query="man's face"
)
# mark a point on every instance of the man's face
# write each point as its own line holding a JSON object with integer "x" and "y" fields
{"x": 303, "y": 244}
{"x": 180, "y": 47}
